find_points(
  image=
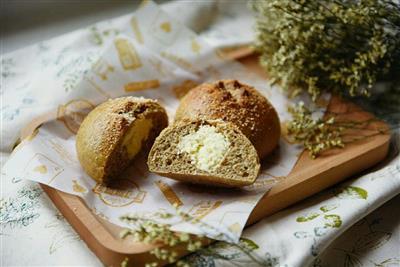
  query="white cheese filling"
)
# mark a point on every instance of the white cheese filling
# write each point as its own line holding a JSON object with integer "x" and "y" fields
{"x": 206, "y": 147}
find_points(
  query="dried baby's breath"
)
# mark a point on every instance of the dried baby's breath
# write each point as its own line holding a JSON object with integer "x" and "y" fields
{"x": 150, "y": 232}
{"x": 125, "y": 262}
{"x": 332, "y": 131}
{"x": 341, "y": 46}
{"x": 316, "y": 135}
{"x": 337, "y": 46}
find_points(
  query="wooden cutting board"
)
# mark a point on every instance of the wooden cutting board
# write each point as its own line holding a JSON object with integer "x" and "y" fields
{"x": 307, "y": 178}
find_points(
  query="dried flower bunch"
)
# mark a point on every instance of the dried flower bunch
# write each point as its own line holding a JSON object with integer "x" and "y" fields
{"x": 343, "y": 46}
{"x": 333, "y": 131}
{"x": 150, "y": 232}
{"x": 316, "y": 135}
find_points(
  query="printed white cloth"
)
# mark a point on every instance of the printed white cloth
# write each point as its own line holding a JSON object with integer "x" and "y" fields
{"x": 313, "y": 232}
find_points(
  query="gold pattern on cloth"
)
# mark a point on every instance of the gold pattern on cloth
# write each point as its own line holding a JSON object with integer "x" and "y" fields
{"x": 136, "y": 30}
{"x": 77, "y": 187}
{"x": 203, "y": 208}
{"x": 73, "y": 113}
{"x": 166, "y": 26}
{"x": 181, "y": 62}
{"x": 120, "y": 193}
{"x": 195, "y": 46}
{"x": 160, "y": 67}
{"x": 102, "y": 68}
{"x": 127, "y": 54}
{"x": 47, "y": 168}
{"x": 169, "y": 193}
{"x": 41, "y": 169}
{"x": 235, "y": 227}
{"x": 98, "y": 88}
{"x": 143, "y": 85}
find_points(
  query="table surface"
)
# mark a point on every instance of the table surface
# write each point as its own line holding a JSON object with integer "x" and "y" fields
{"x": 25, "y": 22}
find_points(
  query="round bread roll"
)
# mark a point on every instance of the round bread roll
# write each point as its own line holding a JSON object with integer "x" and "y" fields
{"x": 211, "y": 152}
{"x": 238, "y": 103}
{"x": 115, "y": 132}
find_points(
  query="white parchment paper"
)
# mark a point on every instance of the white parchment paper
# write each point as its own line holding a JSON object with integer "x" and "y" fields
{"x": 146, "y": 54}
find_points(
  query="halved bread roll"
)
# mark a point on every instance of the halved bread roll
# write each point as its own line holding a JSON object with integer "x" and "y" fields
{"x": 209, "y": 152}
{"x": 116, "y": 131}
{"x": 238, "y": 103}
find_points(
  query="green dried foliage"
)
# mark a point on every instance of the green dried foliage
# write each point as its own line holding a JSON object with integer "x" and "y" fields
{"x": 150, "y": 232}
{"x": 333, "y": 131}
{"x": 343, "y": 46}
{"x": 316, "y": 135}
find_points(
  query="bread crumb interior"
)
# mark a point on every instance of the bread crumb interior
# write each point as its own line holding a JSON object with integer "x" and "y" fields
{"x": 206, "y": 147}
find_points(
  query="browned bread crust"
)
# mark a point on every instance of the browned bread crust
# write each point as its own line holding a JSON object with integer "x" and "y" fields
{"x": 241, "y": 104}
{"x": 99, "y": 139}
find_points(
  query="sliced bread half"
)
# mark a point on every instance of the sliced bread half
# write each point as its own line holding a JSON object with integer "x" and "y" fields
{"x": 211, "y": 152}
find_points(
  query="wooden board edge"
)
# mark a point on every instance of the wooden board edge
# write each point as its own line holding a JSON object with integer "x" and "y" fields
{"x": 72, "y": 206}
{"x": 109, "y": 252}
{"x": 278, "y": 199}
